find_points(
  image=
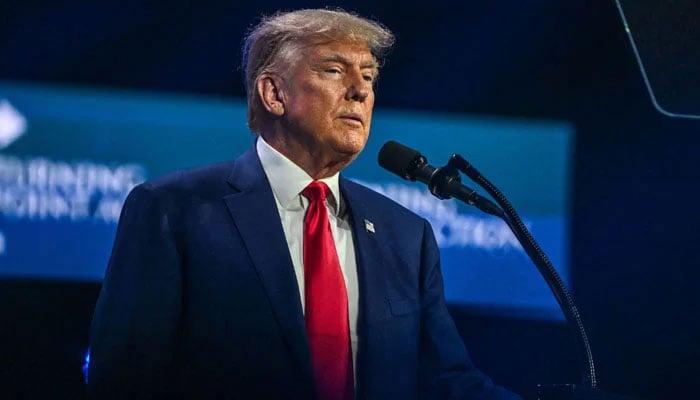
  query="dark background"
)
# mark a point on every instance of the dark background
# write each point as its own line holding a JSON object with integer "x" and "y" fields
{"x": 634, "y": 257}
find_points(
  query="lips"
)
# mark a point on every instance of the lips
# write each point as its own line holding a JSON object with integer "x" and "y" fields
{"x": 352, "y": 117}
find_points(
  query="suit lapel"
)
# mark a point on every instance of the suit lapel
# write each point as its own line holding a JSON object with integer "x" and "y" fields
{"x": 367, "y": 235}
{"x": 255, "y": 215}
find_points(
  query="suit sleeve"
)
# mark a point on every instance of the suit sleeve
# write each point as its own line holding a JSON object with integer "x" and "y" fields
{"x": 446, "y": 371}
{"x": 134, "y": 329}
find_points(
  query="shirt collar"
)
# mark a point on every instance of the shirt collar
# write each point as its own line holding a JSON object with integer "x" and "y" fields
{"x": 288, "y": 180}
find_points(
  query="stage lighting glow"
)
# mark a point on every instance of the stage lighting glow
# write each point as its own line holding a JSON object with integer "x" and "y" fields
{"x": 86, "y": 365}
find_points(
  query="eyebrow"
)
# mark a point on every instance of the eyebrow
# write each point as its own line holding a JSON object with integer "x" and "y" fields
{"x": 339, "y": 58}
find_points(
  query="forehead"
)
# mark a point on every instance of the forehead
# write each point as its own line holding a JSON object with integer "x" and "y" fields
{"x": 349, "y": 52}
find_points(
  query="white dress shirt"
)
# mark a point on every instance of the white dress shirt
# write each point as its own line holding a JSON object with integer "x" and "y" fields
{"x": 288, "y": 180}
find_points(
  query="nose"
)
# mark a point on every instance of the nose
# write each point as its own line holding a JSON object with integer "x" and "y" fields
{"x": 358, "y": 88}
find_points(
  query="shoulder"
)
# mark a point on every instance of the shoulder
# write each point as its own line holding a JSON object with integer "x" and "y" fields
{"x": 195, "y": 180}
{"x": 213, "y": 181}
{"x": 179, "y": 189}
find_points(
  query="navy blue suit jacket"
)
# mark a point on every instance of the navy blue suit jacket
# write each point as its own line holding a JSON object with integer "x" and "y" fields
{"x": 200, "y": 299}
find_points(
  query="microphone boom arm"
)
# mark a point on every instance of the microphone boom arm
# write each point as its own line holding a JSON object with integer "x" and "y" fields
{"x": 538, "y": 257}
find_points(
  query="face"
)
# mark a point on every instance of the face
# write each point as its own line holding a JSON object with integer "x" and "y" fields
{"x": 328, "y": 98}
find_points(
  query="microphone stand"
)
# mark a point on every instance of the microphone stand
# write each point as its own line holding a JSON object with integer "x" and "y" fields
{"x": 442, "y": 185}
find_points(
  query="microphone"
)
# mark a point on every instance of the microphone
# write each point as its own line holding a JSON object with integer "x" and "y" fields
{"x": 405, "y": 162}
{"x": 443, "y": 183}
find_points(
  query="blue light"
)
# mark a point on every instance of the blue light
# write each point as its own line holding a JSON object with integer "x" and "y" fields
{"x": 86, "y": 364}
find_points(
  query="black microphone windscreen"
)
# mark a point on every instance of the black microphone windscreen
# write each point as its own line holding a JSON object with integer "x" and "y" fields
{"x": 398, "y": 158}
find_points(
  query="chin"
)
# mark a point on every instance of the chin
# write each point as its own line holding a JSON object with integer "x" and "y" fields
{"x": 353, "y": 143}
{"x": 350, "y": 151}
{"x": 345, "y": 154}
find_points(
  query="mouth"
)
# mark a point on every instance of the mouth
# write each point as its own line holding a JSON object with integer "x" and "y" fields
{"x": 352, "y": 118}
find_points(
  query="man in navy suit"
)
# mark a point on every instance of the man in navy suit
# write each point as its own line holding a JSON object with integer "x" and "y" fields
{"x": 207, "y": 293}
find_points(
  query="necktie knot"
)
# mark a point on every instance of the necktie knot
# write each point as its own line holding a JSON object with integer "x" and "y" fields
{"x": 316, "y": 190}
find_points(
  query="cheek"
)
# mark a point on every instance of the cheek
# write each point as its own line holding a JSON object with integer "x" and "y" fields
{"x": 370, "y": 108}
{"x": 312, "y": 113}
{"x": 319, "y": 103}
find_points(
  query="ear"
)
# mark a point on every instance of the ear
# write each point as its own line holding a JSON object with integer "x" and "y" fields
{"x": 271, "y": 96}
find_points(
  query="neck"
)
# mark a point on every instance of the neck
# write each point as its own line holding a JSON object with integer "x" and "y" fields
{"x": 315, "y": 163}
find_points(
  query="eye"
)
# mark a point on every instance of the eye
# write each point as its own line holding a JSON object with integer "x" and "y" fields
{"x": 333, "y": 70}
{"x": 368, "y": 78}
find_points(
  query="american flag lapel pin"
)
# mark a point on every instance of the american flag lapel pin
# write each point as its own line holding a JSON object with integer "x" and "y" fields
{"x": 369, "y": 226}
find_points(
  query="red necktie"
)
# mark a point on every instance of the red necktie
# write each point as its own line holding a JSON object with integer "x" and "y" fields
{"x": 326, "y": 300}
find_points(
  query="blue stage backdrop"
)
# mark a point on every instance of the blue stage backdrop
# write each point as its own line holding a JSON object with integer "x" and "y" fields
{"x": 69, "y": 156}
